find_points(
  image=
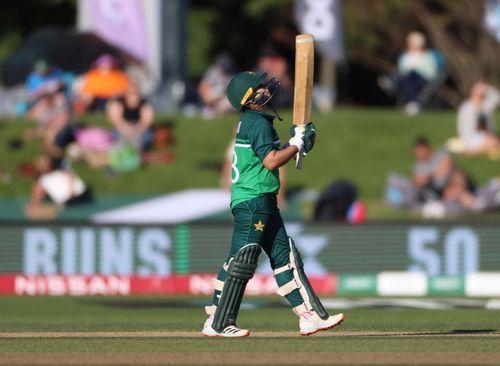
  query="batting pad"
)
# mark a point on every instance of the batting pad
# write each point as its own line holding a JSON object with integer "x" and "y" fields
{"x": 301, "y": 283}
{"x": 240, "y": 271}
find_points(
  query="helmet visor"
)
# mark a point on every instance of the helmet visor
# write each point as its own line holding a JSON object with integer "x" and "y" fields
{"x": 264, "y": 93}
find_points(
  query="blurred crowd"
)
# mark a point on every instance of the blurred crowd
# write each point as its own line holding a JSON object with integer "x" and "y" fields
{"x": 213, "y": 85}
{"x": 438, "y": 186}
{"x": 56, "y": 101}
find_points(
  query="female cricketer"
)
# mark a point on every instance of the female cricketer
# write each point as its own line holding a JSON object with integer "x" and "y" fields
{"x": 257, "y": 221}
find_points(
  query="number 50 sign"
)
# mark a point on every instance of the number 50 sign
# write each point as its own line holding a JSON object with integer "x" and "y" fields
{"x": 459, "y": 254}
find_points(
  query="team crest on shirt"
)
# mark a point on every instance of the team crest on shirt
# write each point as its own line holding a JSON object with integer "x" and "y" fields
{"x": 259, "y": 226}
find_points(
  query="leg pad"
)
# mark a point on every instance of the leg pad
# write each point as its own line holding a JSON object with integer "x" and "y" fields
{"x": 300, "y": 282}
{"x": 240, "y": 271}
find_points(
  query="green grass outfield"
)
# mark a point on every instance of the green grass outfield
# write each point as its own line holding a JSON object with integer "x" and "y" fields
{"x": 161, "y": 330}
{"x": 359, "y": 144}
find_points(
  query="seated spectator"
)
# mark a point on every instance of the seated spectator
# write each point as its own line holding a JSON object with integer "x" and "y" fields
{"x": 52, "y": 114}
{"x": 438, "y": 188}
{"x": 132, "y": 117}
{"x": 62, "y": 186}
{"x": 418, "y": 68}
{"x": 42, "y": 76}
{"x": 431, "y": 171}
{"x": 476, "y": 120}
{"x": 458, "y": 194}
{"x": 213, "y": 85}
{"x": 103, "y": 82}
{"x": 273, "y": 63}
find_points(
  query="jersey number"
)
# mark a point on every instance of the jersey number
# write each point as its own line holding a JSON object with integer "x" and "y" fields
{"x": 236, "y": 175}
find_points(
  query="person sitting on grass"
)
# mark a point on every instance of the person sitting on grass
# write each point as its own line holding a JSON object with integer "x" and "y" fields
{"x": 431, "y": 170}
{"x": 62, "y": 186}
{"x": 476, "y": 120}
{"x": 105, "y": 80}
{"x": 53, "y": 117}
{"x": 42, "y": 75}
{"x": 132, "y": 117}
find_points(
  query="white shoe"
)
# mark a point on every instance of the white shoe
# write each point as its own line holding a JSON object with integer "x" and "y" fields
{"x": 311, "y": 323}
{"x": 230, "y": 331}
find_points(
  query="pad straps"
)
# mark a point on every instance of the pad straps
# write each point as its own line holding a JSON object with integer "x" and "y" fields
{"x": 301, "y": 283}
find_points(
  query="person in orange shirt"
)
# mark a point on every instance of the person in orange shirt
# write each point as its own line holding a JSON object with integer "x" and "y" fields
{"x": 103, "y": 82}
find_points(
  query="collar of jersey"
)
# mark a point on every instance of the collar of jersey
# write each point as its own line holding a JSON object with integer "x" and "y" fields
{"x": 269, "y": 117}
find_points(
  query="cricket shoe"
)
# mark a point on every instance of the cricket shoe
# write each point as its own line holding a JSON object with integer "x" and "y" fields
{"x": 230, "y": 331}
{"x": 310, "y": 322}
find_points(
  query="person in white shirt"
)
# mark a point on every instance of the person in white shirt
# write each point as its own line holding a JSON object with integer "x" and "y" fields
{"x": 476, "y": 120}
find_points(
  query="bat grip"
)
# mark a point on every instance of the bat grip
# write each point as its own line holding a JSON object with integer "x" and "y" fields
{"x": 299, "y": 157}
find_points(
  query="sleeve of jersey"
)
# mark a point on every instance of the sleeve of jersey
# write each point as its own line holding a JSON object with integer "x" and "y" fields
{"x": 262, "y": 139}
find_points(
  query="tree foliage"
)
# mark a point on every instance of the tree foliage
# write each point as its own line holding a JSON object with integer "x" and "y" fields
{"x": 237, "y": 27}
{"x": 376, "y": 31}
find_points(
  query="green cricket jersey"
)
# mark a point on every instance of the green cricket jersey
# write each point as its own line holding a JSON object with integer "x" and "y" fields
{"x": 255, "y": 138}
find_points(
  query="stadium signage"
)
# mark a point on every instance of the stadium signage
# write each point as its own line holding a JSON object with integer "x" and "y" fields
{"x": 88, "y": 250}
{"x": 459, "y": 254}
{"x": 480, "y": 284}
{"x": 57, "y": 285}
{"x": 128, "y": 250}
{"x": 195, "y": 284}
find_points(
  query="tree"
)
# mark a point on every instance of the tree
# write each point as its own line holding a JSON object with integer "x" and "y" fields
{"x": 455, "y": 27}
{"x": 376, "y": 31}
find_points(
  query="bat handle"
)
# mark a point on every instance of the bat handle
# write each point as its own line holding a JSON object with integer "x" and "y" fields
{"x": 299, "y": 157}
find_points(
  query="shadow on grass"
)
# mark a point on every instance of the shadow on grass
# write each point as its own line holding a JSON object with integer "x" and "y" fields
{"x": 454, "y": 332}
{"x": 170, "y": 304}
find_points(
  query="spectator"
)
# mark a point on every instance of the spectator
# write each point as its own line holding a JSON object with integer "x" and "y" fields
{"x": 275, "y": 65}
{"x": 431, "y": 171}
{"x": 476, "y": 120}
{"x": 418, "y": 73}
{"x": 103, "y": 82}
{"x": 438, "y": 188}
{"x": 416, "y": 68}
{"x": 52, "y": 114}
{"x": 213, "y": 85}
{"x": 132, "y": 117}
{"x": 42, "y": 76}
{"x": 62, "y": 186}
{"x": 458, "y": 194}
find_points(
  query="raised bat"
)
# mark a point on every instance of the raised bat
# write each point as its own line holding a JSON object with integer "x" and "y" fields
{"x": 304, "y": 75}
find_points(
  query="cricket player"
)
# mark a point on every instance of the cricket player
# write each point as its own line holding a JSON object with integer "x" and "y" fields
{"x": 257, "y": 221}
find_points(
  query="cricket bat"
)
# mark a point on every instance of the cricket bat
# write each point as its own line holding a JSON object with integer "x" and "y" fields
{"x": 304, "y": 75}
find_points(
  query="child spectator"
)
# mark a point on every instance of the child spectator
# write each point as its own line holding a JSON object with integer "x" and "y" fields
{"x": 458, "y": 194}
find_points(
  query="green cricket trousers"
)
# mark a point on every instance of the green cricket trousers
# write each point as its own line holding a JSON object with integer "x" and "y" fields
{"x": 259, "y": 221}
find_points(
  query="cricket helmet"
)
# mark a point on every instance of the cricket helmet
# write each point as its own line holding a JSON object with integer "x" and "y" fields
{"x": 243, "y": 90}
